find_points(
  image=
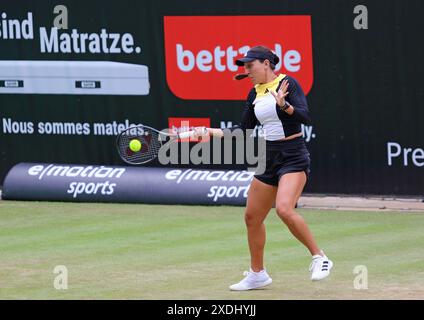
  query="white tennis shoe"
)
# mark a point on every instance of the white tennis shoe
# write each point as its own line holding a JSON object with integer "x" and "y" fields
{"x": 320, "y": 267}
{"x": 252, "y": 280}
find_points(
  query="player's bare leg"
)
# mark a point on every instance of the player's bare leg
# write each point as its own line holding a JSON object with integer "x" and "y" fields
{"x": 260, "y": 200}
{"x": 290, "y": 188}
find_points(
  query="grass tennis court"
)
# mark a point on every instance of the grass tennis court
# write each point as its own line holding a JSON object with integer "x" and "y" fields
{"x": 124, "y": 251}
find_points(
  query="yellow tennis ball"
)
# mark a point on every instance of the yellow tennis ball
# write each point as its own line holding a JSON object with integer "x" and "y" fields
{"x": 135, "y": 145}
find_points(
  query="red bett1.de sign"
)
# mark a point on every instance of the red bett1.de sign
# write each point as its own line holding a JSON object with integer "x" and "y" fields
{"x": 200, "y": 52}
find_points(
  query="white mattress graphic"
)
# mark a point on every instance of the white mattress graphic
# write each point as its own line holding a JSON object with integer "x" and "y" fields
{"x": 73, "y": 77}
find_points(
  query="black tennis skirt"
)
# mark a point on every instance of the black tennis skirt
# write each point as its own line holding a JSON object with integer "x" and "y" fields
{"x": 284, "y": 157}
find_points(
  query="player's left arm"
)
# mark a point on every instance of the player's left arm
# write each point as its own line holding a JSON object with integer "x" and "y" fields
{"x": 298, "y": 108}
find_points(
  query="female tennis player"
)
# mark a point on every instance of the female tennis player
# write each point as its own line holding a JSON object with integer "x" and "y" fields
{"x": 276, "y": 102}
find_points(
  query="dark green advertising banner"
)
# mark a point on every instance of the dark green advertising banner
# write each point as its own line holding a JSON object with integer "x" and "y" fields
{"x": 73, "y": 74}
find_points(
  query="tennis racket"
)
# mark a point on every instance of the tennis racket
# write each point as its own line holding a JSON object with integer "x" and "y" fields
{"x": 141, "y": 144}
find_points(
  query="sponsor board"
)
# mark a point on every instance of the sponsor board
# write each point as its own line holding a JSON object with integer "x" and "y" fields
{"x": 99, "y": 183}
{"x": 73, "y": 77}
{"x": 200, "y": 65}
{"x": 404, "y": 156}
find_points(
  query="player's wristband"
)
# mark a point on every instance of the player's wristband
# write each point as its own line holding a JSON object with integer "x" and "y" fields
{"x": 285, "y": 106}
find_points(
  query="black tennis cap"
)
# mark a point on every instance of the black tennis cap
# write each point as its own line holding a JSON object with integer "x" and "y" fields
{"x": 258, "y": 52}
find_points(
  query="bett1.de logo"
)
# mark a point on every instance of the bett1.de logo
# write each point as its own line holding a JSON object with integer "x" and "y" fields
{"x": 200, "y": 52}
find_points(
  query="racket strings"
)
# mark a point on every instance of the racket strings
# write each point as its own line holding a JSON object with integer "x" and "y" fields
{"x": 151, "y": 142}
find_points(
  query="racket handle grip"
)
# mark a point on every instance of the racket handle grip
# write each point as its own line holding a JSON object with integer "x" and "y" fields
{"x": 185, "y": 135}
{"x": 190, "y": 134}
